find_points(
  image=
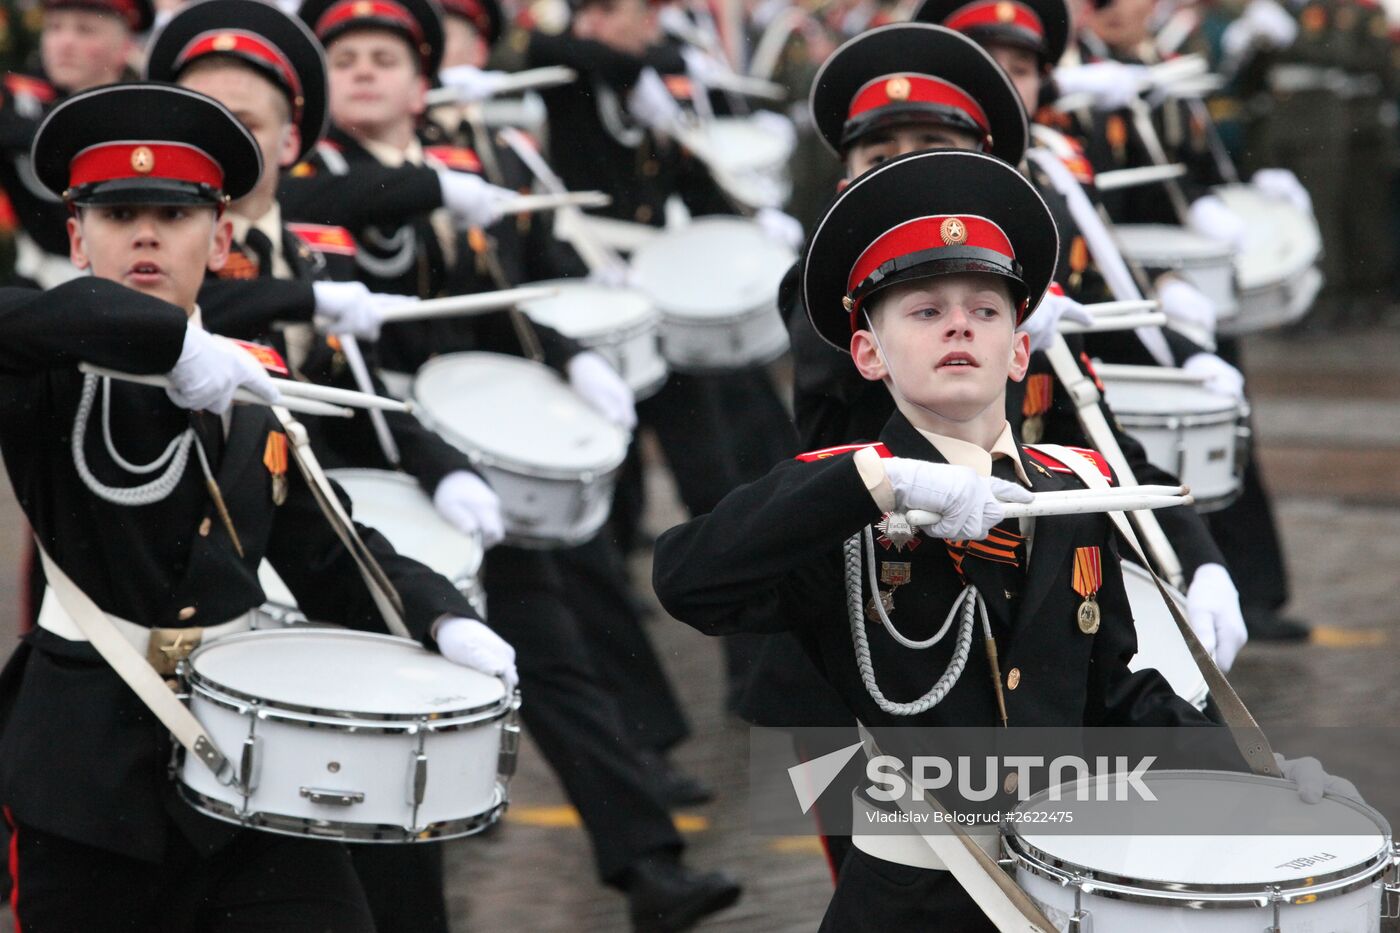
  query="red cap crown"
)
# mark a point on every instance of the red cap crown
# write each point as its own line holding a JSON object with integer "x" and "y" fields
{"x": 909, "y": 88}
{"x": 135, "y": 159}
{"x": 340, "y": 13}
{"x": 996, "y": 13}
{"x": 246, "y": 44}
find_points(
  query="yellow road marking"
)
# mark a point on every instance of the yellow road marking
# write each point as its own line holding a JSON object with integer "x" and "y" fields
{"x": 801, "y": 845}
{"x": 566, "y": 817}
{"x": 1330, "y": 636}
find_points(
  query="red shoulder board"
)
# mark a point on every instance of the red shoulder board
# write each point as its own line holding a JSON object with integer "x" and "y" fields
{"x": 39, "y": 89}
{"x": 325, "y": 239}
{"x": 457, "y": 158}
{"x": 266, "y": 356}
{"x": 1055, "y": 466}
{"x": 828, "y": 452}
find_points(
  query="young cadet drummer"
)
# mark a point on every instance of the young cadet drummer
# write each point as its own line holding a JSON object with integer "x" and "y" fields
{"x": 923, "y": 268}
{"x": 159, "y": 505}
{"x": 83, "y": 44}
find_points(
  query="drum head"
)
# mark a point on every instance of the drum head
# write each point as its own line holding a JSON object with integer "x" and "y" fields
{"x": 1162, "y": 245}
{"x": 355, "y": 674}
{"x": 516, "y": 412}
{"x": 1280, "y": 241}
{"x": 1267, "y": 835}
{"x": 716, "y": 267}
{"x": 583, "y": 309}
{"x": 1160, "y": 645}
{"x": 746, "y": 146}
{"x": 274, "y": 590}
{"x": 394, "y": 505}
{"x": 1164, "y": 398}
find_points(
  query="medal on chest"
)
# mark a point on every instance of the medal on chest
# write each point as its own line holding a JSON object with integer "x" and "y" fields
{"x": 1040, "y": 390}
{"x": 275, "y": 459}
{"x": 1088, "y": 578}
{"x": 894, "y": 574}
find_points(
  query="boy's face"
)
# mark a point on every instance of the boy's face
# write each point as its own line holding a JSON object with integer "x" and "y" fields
{"x": 901, "y": 139}
{"x": 626, "y": 25}
{"x": 81, "y": 49}
{"x": 1023, "y": 68}
{"x": 161, "y": 250}
{"x": 462, "y": 44}
{"x": 374, "y": 81}
{"x": 950, "y": 340}
{"x": 1122, "y": 25}
{"x": 259, "y": 104}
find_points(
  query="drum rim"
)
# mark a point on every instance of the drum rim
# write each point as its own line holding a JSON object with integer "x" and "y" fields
{"x": 243, "y": 702}
{"x": 1223, "y": 255}
{"x": 1153, "y": 420}
{"x": 1104, "y": 883}
{"x": 481, "y": 457}
{"x": 348, "y": 831}
{"x": 648, "y": 320}
{"x": 700, "y": 223}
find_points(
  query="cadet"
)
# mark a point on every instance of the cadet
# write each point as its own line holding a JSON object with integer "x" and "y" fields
{"x": 147, "y": 170}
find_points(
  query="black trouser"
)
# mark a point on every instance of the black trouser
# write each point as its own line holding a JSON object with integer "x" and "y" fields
{"x": 876, "y": 896}
{"x": 596, "y": 582}
{"x": 259, "y": 882}
{"x": 404, "y": 886}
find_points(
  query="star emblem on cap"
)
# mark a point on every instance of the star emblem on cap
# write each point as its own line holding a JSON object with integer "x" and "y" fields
{"x": 1005, "y": 12}
{"x": 953, "y": 231}
{"x": 897, "y": 88}
{"x": 363, "y": 8}
{"x": 143, "y": 160}
{"x": 225, "y": 43}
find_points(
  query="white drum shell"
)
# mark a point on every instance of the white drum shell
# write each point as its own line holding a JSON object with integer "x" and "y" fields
{"x": 621, "y": 324}
{"x": 301, "y": 759}
{"x": 1276, "y": 268}
{"x": 715, "y": 282}
{"x": 1160, "y": 645}
{"x": 1189, "y": 432}
{"x": 1205, "y": 263}
{"x": 546, "y": 502}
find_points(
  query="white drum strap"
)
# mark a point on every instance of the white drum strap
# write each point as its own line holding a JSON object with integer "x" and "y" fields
{"x": 1243, "y": 728}
{"x": 381, "y": 588}
{"x": 150, "y": 688}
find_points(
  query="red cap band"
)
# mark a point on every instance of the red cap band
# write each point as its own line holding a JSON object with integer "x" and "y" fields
{"x": 126, "y": 9}
{"x": 996, "y": 13}
{"x": 471, "y": 10}
{"x": 132, "y": 159}
{"x": 239, "y": 42}
{"x": 926, "y": 234}
{"x": 347, "y": 10}
{"x": 907, "y": 88}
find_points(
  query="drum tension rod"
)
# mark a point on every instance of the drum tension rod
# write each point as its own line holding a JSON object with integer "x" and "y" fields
{"x": 1390, "y": 908}
{"x": 1081, "y": 921}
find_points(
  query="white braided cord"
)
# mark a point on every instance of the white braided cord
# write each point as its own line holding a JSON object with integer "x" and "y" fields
{"x": 158, "y": 489}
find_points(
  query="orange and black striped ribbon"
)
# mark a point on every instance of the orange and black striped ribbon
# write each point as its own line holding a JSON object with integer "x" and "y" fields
{"x": 999, "y": 547}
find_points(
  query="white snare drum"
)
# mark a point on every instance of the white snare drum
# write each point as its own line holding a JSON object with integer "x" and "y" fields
{"x": 620, "y": 323}
{"x": 752, "y": 159}
{"x": 1276, "y": 269}
{"x": 1187, "y": 431}
{"x": 715, "y": 282}
{"x": 550, "y": 456}
{"x": 1300, "y": 867}
{"x": 1205, "y": 263}
{"x": 349, "y": 736}
{"x": 394, "y": 505}
{"x": 1160, "y": 644}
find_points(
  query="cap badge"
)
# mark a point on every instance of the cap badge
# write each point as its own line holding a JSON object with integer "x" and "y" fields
{"x": 143, "y": 160}
{"x": 225, "y": 43}
{"x": 897, "y": 88}
{"x": 847, "y": 303}
{"x": 953, "y": 231}
{"x": 1005, "y": 12}
{"x": 363, "y": 8}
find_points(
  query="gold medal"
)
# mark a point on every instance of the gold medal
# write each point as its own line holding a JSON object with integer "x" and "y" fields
{"x": 895, "y": 572}
{"x": 1089, "y": 616}
{"x": 1033, "y": 429}
{"x": 886, "y": 598}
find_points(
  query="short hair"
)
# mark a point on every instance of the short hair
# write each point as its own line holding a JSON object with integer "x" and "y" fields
{"x": 217, "y": 60}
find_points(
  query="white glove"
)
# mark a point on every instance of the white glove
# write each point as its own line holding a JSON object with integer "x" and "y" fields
{"x": 470, "y": 506}
{"x": 1220, "y": 377}
{"x": 969, "y": 505}
{"x": 781, "y": 228}
{"x": 471, "y": 644}
{"x": 702, "y": 68}
{"x": 1213, "y": 609}
{"x": 1282, "y": 184}
{"x": 1112, "y": 85}
{"x": 1211, "y": 218}
{"x": 611, "y": 275}
{"x": 470, "y": 83}
{"x": 1043, "y": 325}
{"x": 472, "y": 200}
{"x": 775, "y": 124}
{"x": 351, "y": 308}
{"x": 1264, "y": 23}
{"x": 210, "y": 370}
{"x": 650, "y": 102}
{"x": 1186, "y": 306}
{"x": 1312, "y": 781}
{"x": 594, "y": 378}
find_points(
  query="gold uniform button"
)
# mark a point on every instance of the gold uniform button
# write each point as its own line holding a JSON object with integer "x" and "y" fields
{"x": 204, "y": 527}
{"x": 643, "y": 214}
{"x": 1011, "y": 783}
{"x": 1013, "y": 678}
{"x": 186, "y": 614}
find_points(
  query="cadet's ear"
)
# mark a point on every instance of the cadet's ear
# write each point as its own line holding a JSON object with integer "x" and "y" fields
{"x": 287, "y": 147}
{"x": 867, "y": 357}
{"x": 77, "y": 252}
{"x": 420, "y": 96}
{"x": 1020, "y": 356}
{"x": 221, "y": 242}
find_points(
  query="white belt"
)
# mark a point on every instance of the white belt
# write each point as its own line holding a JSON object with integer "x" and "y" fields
{"x": 53, "y": 618}
{"x": 907, "y": 848}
